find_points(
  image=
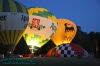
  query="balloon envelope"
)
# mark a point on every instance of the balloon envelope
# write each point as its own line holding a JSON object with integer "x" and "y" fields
{"x": 13, "y": 22}
{"x": 67, "y": 50}
{"x": 65, "y": 32}
{"x": 40, "y": 28}
{"x": 42, "y": 12}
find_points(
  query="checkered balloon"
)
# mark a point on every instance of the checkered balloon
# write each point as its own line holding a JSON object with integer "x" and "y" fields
{"x": 67, "y": 50}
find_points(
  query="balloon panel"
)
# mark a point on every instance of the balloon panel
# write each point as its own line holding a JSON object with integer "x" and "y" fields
{"x": 42, "y": 12}
{"x": 41, "y": 26}
{"x": 65, "y": 32}
{"x": 12, "y": 25}
{"x": 13, "y": 21}
{"x": 12, "y": 6}
{"x": 35, "y": 40}
{"x": 10, "y": 36}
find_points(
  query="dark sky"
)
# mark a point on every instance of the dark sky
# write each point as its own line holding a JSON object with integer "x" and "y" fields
{"x": 84, "y": 13}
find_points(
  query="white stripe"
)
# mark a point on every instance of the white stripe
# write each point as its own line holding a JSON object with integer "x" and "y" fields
{"x": 13, "y": 21}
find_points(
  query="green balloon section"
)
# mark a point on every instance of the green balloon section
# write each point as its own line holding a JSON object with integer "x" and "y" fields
{"x": 42, "y": 12}
{"x": 12, "y": 6}
{"x": 13, "y": 22}
{"x": 35, "y": 40}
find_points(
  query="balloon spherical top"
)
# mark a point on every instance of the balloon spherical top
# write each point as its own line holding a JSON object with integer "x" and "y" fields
{"x": 13, "y": 21}
{"x": 42, "y": 12}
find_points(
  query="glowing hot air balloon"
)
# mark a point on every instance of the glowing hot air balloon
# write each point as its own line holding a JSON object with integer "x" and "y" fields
{"x": 13, "y": 22}
{"x": 65, "y": 32}
{"x": 40, "y": 29}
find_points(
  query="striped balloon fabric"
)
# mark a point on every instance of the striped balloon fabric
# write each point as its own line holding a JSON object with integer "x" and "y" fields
{"x": 13, "y": 22}
{"x": 67, "y": 50}
{"x": 12, "y": 6}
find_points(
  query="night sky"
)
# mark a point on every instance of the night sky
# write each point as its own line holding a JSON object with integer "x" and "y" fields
{"x": 84, "y": 13}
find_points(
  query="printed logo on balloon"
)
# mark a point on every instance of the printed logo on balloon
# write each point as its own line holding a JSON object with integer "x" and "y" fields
{"x": 36, "y": 24}
{"x": 69, "y": 30}
{"x": 54, "y": 28}
{"x": 69, "y": 27}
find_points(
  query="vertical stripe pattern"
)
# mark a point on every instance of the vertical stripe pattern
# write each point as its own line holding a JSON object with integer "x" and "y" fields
{"x": 23, "y": 8}
{"x": 6, "y": 6}
{"x": 19, "y": 8}
{"x": 12, "y": 6}
{"x": 1, "y": 4}
{"x": 11, "y": 37}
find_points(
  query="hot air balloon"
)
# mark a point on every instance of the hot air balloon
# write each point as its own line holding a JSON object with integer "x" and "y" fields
{"x": 65, "y": 32}
{"x": 13, "y": 22}
{"x": 67, "y": 50}
{"x": 40, "y": 29}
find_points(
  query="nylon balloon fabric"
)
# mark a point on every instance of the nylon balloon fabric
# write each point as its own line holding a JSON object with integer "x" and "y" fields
{"x": 42, "y": 12}
{"x": 67, "y": 50}
{"x": 13, "y": 22}
{"x": 65, "y": 33}
{"x": 41, "y": 27}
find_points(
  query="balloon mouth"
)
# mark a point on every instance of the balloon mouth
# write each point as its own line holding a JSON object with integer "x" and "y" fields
{"x": 34, "y": 43}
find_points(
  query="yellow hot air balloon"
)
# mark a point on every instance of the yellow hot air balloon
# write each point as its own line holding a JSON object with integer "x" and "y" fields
{"x": 40, "y": 29}
{"x": 13, "y": 22}
{"x": 65, "y": 32}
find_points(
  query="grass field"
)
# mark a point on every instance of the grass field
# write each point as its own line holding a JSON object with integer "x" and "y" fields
{"x": 77, "y": 61}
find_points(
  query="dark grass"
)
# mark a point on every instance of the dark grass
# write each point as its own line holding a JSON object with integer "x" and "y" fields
{"x": 75, "y": 61}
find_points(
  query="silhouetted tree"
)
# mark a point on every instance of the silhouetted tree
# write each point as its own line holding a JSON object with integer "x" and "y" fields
{"x": 84, "y": 40}
{"x": 95, "y": 37}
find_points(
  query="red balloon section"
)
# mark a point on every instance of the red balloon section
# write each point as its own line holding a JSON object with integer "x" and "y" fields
{"x": 67, "y": 50}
